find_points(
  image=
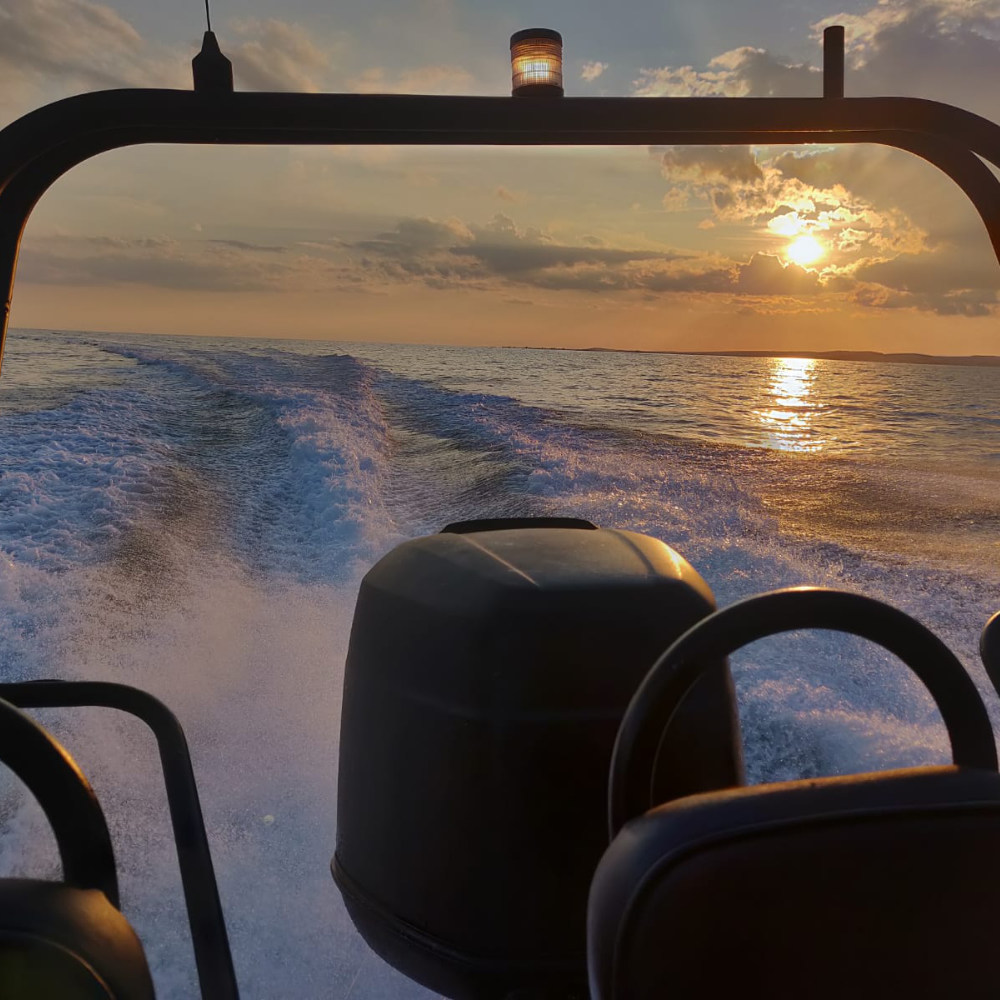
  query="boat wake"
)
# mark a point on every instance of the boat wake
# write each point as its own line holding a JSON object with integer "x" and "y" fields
{"x": 196, "y": 522}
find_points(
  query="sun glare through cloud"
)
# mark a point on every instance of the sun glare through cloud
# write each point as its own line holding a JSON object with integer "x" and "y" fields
{"x": 805, "y": 250}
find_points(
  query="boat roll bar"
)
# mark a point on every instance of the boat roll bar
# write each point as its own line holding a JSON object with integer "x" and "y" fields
{"x": 39, "y": 148}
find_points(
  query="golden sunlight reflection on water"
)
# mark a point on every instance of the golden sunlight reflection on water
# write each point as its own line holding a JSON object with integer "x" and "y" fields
{"x": 787, "y": 411}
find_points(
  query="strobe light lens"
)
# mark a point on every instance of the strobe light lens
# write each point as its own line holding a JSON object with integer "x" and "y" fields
{"x": 536, "y": 63}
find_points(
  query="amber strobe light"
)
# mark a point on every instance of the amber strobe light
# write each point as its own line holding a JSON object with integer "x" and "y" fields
{"x": 536, "y": 63}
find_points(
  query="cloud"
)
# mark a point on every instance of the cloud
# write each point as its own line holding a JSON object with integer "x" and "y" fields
{"x": 898, "y": 237}
{"x": 193, "y": 265}
{"x": 942, "y": 49}
{"x": 507, "y": 250}
{"x": 937, "y": 273}
{"x": 590, "y": 71}
{"x": 276, "y": 55}
{"x": 968, "y": 302}
{"x": 498, "y": 256}
{"x": 444, "y": 254}
{"x": 900, "y": 203}
{"x": 452, "y": 254}
{"x": 787, "y": 194}
{"x": 766, "y": 275}
{"x": 57, "y": 47}
{"x": 762, "y": 276}
{"x": 887, "y": 178}
{"x": 711, "y": 164}
{"x": 419, "y": 249}
{"x": 742, "y": 72}
{"x": 943, "y": 280}
{"x": 422, "y": 80}
{"x": 241, "y": 245}
{"x": 435, "y": 250}
{"x": 676, "y": 200}
{"x": 61, "y": 46}
{"x": 946, "y": 50}
{"x": 526, "y": 257}
{"x": 50, "y": 267}
{"x": 416, "y": 234}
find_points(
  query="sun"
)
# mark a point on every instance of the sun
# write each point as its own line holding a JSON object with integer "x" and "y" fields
{"x": 805, "y": 250}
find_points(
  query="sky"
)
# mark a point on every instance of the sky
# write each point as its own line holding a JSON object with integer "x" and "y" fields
{"x": 686, "y": 248}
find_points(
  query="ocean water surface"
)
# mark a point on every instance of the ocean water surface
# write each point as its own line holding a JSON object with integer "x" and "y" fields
{"x": 194, "y": 516}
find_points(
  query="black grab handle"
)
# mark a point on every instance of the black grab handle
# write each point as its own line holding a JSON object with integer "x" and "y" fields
{"x": 654, "y": 704}
{"x": 65, "y": 795}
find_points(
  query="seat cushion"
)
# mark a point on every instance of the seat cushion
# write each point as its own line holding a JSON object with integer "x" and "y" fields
{"x": 876, "y": 885}
{"x": 57, "y": 941}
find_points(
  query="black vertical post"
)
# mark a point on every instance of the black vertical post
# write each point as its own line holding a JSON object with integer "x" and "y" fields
{"x": 833, "y": 61}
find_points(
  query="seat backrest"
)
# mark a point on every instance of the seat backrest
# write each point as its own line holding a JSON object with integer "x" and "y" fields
{"x": 878, "y": 885}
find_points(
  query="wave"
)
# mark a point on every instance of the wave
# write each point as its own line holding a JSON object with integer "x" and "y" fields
{"x": 201, "y": 528}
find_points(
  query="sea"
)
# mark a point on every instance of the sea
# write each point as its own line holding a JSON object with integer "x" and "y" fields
{"x": 193, "y": 516}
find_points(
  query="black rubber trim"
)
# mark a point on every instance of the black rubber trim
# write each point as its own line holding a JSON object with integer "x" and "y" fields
{"x": 549, "y": 34}
{"x": 510, "y": 523}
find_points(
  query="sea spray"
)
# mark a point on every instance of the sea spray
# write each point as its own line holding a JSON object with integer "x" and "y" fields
{"x": 194, "y": 518}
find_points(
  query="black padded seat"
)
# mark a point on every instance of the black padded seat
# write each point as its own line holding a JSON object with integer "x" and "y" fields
{"x": 878, "y": 885}
{"x": 65, "y": 943}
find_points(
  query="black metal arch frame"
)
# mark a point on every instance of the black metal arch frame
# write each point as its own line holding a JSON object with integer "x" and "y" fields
{"x": 42, "y": 146}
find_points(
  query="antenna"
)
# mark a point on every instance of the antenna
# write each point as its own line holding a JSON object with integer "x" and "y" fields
{"x": 212, "y": 70}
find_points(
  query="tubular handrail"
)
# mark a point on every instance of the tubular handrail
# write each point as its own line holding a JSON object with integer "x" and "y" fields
{"x": 66, "y": 798}
{"x": 216, "y": 975}
{"x": 724, "y": 632}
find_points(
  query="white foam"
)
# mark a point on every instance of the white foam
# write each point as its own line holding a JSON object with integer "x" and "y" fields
{"x": 200, "y": 531}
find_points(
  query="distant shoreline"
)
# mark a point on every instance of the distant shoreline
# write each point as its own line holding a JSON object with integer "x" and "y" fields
{"x": 967, "y": 361}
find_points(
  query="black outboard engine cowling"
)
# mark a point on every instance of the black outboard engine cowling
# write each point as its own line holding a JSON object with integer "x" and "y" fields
{"x": 487, "y": 674}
